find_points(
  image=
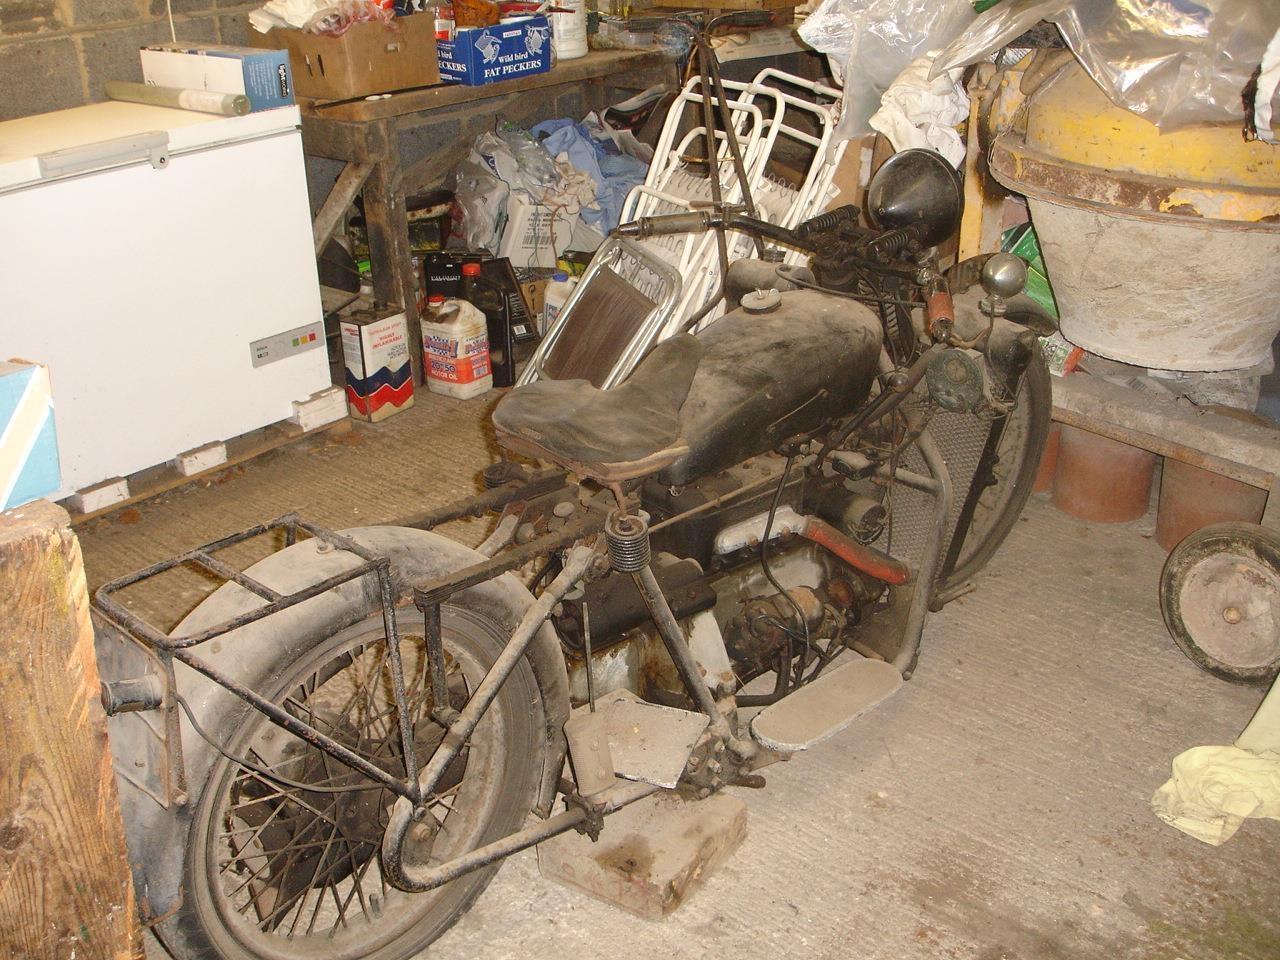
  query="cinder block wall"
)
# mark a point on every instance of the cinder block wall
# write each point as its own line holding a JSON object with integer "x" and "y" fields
{"x": 60, "y": 53}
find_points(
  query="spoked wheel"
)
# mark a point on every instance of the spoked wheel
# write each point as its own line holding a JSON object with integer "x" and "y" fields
{"x": 1220, "y": 596}
{"x": 283, "y": 856}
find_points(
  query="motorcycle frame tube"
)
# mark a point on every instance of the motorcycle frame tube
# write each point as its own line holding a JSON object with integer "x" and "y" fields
{"x": 941, "y": 488}
{"x": 610, "y": 801}
{"x": 687, "y": 667}
{"x": 405, "y": 810}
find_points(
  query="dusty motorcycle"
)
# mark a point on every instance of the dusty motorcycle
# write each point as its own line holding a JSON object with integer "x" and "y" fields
{"x": 738, "y": 546}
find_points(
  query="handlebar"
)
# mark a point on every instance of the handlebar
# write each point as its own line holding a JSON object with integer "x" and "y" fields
{"x": 804, "y": 237}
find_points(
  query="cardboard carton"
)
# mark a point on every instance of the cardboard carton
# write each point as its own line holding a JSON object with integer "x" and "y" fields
{"x": 375, "y": 349}
{"x": 260, "y": 75}
{"x": 369, "y": 58}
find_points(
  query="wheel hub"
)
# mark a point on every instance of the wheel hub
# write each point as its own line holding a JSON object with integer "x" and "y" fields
{"x": 1231, "y": 606}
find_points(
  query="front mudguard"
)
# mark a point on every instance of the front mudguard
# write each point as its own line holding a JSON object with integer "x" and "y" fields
{"x": 157, "y": 836}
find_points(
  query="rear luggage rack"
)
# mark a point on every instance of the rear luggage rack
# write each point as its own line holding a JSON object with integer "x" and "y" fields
{"x": 142, "y": 694}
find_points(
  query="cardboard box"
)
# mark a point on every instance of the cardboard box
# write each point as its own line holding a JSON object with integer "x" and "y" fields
{"x": 375, "y": 350}
{"x": 369, "y": 58}
{"x": 261, "y": 75}
{"x": 535, "y": 295}
{"x": 535, "y": 235}
{"x": 1022, "y": 240}
{"x": 480, "y": 55}
{"x": 29, "y": 466}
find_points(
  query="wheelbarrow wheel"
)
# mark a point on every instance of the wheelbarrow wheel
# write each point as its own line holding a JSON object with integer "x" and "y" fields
{"x": 1220, "y": 596}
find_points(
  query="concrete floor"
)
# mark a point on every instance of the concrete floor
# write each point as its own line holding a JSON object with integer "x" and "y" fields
{"x": 997, "y": 807}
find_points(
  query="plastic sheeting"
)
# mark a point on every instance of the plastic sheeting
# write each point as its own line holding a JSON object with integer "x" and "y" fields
{"x": 1174, "y": 63}
{"x": 870, "y": 42}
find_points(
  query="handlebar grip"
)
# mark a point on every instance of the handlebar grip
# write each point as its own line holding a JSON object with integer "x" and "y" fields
{"x": 664, "y": 225}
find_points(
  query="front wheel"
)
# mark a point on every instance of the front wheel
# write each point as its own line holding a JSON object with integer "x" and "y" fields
{"x": 1017, "y": 460}
{"x": 282, "y": 857}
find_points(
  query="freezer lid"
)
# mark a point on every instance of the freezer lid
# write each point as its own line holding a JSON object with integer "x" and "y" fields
{"x": 104, "y": 135}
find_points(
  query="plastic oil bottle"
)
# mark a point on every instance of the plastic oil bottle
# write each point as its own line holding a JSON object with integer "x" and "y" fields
{"x": 493, "y": 304}
{"x": 557, "y": 293}
{"x": 455, "y": 348}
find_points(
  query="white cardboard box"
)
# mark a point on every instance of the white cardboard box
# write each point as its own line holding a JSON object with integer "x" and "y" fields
{"x": 535, "y": 235}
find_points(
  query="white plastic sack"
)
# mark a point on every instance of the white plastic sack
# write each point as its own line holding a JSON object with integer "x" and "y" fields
{"x": 1173, "y": 63}
{"x": 870, "y": 42}
{"x": 482, "y": 200}
{"x": 918, "y": 112}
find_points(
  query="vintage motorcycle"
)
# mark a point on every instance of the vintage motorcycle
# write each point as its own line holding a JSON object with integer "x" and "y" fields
{"x": 736, "y": 548}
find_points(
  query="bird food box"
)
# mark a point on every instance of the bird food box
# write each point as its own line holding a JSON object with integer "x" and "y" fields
{"x": 375, "y": 350}
{"x": 504, "y": 51}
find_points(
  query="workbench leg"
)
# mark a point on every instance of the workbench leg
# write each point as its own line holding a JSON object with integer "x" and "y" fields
{"x": 595, "y": 95}
{"x": 67, "y": 891}
{"x": 387, "y": 223}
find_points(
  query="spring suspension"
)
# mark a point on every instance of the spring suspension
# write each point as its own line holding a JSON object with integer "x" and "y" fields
{"x": 627, "y": 537}
{"x": 825, "y": 222}
{"x": 891, "y": 244}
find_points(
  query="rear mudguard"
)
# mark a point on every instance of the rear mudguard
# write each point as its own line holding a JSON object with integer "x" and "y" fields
{"x": 157, "y": 837}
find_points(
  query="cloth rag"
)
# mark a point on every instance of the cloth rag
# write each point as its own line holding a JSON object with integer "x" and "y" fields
{"x": 1215, "y": 789}
{"x": 612, "y": 172}
{"x": 918, "y": 112}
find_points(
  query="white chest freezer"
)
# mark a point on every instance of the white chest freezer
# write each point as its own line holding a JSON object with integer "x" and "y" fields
{"x": 160, "y": 263}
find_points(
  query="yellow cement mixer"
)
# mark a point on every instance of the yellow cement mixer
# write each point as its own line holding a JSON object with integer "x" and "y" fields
{"x": 1163, "y": 249}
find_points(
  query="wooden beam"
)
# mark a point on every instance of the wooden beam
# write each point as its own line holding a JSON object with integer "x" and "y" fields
{"x": 65, "y": 887}
{"x": 324, "y": 136}
{"x": 344, "y": 191}
{"x": 387, "y": 222}
{"x": 1242, "y": 451}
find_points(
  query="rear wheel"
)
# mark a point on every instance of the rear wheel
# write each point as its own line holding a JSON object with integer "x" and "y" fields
{"x": 282, "y": 857}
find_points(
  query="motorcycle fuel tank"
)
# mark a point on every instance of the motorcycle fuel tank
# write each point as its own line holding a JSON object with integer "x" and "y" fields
{"x": 764, "y": 377}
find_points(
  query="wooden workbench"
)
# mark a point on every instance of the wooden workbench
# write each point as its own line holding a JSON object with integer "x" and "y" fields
{"x": 1225, "y": 445}
{"x": 365, "y": 135}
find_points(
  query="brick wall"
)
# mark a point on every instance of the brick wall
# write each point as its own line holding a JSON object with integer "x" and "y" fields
{"x": 60, "y": 53}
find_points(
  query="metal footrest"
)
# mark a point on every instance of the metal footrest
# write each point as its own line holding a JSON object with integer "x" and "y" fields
{"x": 648, "y": 742}
{"x": 825, "y": 707}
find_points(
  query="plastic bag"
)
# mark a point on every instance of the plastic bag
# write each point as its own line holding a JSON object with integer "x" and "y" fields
{"x": 480, "y": 205}
{"x": 920, "y": 112}
{"x": 870, "y": 42}
{"x": 328, "y": 17}
{"x": 517, "y": 158}
{"x": 335, "y": 19}
{"x": 1173, "y": 63}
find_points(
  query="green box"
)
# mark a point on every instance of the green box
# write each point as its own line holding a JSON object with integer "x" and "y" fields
{"x": 1022, "y": 240}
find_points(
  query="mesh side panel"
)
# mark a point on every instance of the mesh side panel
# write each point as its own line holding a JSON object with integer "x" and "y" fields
{"x": 960, "y": 438}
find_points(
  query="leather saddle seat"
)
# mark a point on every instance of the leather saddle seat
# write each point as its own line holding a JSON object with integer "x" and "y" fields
{"x": 612, "y": 435}
{"x": 697, "y": 404}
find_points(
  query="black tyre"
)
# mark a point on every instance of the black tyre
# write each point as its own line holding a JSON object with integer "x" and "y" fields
{"x": 1220, "y": 596}
{"x": 281, "y": 872}
{"x": 1018, "y": 459}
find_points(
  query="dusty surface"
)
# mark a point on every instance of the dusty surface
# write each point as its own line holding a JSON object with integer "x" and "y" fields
{"x": 996, "y": 807}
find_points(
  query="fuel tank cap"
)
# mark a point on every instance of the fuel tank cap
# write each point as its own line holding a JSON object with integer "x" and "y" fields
{"x": 761, "y": 301}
